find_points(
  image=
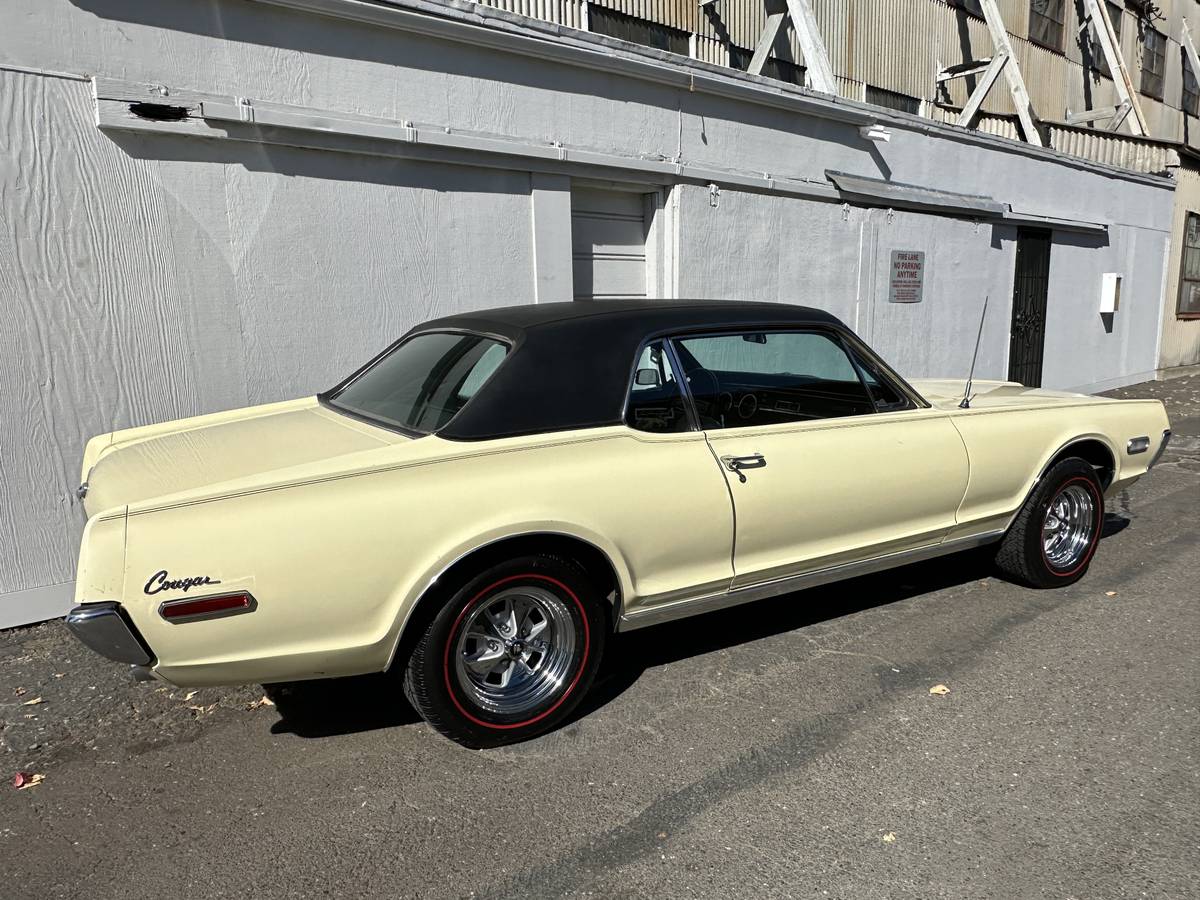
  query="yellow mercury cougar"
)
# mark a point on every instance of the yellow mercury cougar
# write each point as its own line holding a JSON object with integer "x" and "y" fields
{"x": 482, "y": 504}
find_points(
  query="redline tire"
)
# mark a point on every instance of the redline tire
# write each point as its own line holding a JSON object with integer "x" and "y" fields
{"x": 1046, "y": 549}
{"x": 511, "y": 654}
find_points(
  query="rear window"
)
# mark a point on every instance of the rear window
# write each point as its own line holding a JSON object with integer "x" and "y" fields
{"x": 424, "y": 382}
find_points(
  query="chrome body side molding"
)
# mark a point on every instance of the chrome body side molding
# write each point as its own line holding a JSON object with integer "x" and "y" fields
{"x": 678, "y": 609}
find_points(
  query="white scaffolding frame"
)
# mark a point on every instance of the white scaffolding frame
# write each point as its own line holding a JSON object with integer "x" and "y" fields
{"x": 818, "y": 70}
{"x": 1003, "y": 62}
{"x": 1106, "y": 37}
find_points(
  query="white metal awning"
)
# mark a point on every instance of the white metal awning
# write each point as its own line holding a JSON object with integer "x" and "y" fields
{"x": 878, "y": 192}
{"x": 911, "y": 196}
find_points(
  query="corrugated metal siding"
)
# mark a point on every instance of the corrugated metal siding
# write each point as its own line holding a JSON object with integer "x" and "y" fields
{"x": 1115, "y": 149}
{"x": 560, "y": 12}
{"x": 710, "y": 50}
{"x": 683, "y": 14}
{"x": 737, "y": 21}
{"x": 989, "y": 123}
{"x": 849, "y": 88}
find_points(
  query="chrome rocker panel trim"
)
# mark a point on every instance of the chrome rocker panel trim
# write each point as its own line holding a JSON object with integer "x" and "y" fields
{"x": 104, "y": 628}
{"x": 678, "y": 609}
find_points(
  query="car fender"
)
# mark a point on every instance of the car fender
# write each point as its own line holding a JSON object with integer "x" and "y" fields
{"x": 410, "y": 595}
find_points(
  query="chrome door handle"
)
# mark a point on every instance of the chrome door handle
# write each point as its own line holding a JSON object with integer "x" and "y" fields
{"x": 735, "y": 464}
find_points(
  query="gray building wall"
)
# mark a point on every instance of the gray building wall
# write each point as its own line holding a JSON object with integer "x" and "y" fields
{"x": 149, "y": 273}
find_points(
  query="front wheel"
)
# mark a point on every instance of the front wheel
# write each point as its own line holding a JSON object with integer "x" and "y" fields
{"x": 510, "y": 655}
{"x": 1054, "y": 536}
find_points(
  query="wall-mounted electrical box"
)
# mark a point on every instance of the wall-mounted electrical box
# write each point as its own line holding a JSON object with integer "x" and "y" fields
{"x": 1110, "y": 292}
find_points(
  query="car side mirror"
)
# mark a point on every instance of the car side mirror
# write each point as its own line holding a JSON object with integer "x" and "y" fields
{"x": 646, "y": 378}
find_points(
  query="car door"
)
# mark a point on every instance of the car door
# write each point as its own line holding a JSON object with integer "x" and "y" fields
{"x": 827, "y": 462}
{"x": 678, "y": 539}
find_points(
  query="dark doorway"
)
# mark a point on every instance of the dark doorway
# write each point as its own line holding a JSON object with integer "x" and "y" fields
{"x": 1030, "y": 287}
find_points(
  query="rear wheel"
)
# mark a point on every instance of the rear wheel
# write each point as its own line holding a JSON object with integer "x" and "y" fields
{"x": 510, "y": 655}
{"x": 1054, "y": 536}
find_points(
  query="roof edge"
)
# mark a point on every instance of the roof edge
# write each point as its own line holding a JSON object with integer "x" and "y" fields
{"x": 462, "y": 21}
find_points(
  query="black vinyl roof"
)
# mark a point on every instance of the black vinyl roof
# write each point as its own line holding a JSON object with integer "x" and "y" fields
{"x": 570, "y": 363}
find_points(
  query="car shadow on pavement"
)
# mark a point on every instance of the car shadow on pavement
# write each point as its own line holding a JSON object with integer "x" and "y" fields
{"x": 1113, "y": 524}
{"x": 332, "y": 706}
{"x": 629, "y": 654}
{"x": 324, "y": 708}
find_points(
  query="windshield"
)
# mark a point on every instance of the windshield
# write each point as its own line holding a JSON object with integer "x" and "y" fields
{"x": 421, "y": 384}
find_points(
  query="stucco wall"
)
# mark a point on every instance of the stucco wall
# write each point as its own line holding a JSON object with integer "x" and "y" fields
{"x": 148, "y": 277}
{"x": 142, "y": 281}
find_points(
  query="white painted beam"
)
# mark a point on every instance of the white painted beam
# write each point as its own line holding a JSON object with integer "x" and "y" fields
{"x": 1189, "y": 47}
{"x": 816, "y": 57}
{"x": 766, "y": 41}
{"x": 967, "y": 118}
{"x": 1111, "y": 49}
{"x": 1012, "y": 72}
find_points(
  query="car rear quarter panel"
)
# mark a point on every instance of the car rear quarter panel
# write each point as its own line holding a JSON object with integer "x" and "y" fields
{"x": 337, "y": 564}
{"x": 101, "y": 571}
{"x": 1009, "y": 448}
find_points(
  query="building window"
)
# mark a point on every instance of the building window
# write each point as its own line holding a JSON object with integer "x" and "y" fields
{"x": 1191, "y": 91}
{"x": 1047, "y": 20}
{"x": 602, "y": 20}
{"x": 893, "y": 100}
{"x": 1189, "y": 270}
{"x": 1154, "y": 62}
{"x": 779, "y": 69}
{"x": 1099, "y": 63}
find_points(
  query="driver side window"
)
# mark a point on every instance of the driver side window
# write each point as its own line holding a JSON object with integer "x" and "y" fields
{"x": 771, "y": 378}
{"x": 655, "y": 398}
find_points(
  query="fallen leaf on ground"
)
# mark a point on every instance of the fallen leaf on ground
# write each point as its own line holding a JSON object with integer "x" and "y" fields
{"x": 18, "y": 692}
{"x": 264, "y": 701}
{"x": 24, "y": 780}
{"x": 189, "y": 695}
{"x": 201, "y": 710}
{"x": 889, "y": 837}
{"x": 1110, "y": 593}
{"x": 34, "y": 702}
{"x": 939, "y": 690}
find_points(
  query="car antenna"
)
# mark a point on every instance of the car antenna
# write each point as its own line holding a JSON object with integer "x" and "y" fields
{"x": 966, "y": 400}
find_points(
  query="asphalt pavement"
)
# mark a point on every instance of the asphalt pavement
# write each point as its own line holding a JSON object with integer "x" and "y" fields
{"x": 791, "y": 748}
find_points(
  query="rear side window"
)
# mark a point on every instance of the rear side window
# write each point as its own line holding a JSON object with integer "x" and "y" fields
{"x": 421, "y": 384}
{"x": 769, "y": 378}
{"x": 655, "y": 398}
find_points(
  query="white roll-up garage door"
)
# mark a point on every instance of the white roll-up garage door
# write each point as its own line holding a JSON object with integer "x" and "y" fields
{"x": 608, "y": 243}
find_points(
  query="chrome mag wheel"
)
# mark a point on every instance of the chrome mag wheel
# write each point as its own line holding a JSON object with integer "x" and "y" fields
{"x": 1069, "y": 526}
{"x": 515, "y": 650}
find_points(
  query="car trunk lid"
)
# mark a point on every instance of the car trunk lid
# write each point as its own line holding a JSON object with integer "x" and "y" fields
{"x": 196, "y": 457}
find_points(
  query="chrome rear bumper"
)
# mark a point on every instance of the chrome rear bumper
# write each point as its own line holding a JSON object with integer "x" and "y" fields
{"x": 105, "y": 628}
{"x": 1166, "y": 439}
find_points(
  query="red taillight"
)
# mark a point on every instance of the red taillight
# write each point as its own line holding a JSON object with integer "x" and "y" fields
{"x": 207, "y": 607}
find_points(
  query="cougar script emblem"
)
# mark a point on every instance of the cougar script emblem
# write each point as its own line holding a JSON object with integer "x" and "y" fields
{"x": 159, "y": 582}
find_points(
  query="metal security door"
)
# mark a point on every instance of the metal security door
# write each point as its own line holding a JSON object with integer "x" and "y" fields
{"x": 608, "y": 244}
{"x": 1030, "y": 287}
